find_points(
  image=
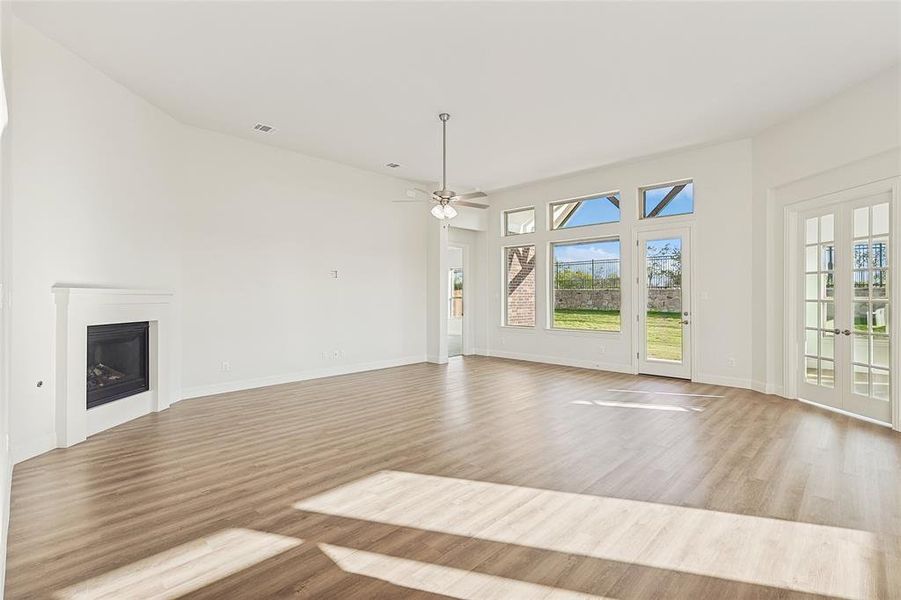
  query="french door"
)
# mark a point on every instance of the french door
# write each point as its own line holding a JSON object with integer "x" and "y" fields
{"x": 846, "y": 307}
{"x": 664, "y": 315}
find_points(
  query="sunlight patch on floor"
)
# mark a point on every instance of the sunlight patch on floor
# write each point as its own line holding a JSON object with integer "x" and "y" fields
{"x": 438, "y": 579}
{"x": 804, "y": 557}
{"x": 183, "y": 569}
{"x": 668, "y": 407}
{"x": 652, "y": 392}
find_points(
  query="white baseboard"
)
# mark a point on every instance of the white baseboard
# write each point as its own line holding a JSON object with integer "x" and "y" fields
{"x": 33, "y": 447}
{"x": 249, "y": 384}
{"x": 554, "y": 360}
{"x": 764, "y": 388}
{"x": 736, "y": 382}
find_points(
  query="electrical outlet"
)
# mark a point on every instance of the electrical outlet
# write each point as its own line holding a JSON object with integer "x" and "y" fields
{"x": 225, "y": 367}
{"x": 731, "y": 361}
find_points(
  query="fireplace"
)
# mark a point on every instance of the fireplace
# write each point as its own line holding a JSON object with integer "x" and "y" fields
{"x": 118, "y": 361}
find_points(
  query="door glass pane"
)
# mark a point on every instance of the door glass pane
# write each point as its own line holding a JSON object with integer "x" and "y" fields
{"x": 810, "y": 228}
{"x": 828, "y": 311}
{"x": 880, "y": 382}
{"x": 860, "y": 254}
{"x": 879, "y": 318}
{"x": 811, "y": 292}
{"x": 860, "y": 311}
{"x": 663, "y": 315}
{"x": 810, "y": 342}
{"x": 862, "y": 221}
{"x": 810, "y": 318}
{"x": 810, "y": 370}
{"x": 879, "y": 283}
{"x": 880, "y": 219}
{"x": 810, "y": 262}
{"x": 826, "y": 227}
{"x": 827, "y": 344}
{"x": 861, "y": 349}
{"x": 860, "y": 380}
{"x": 880, "y": 351}
{"x": 861, "y": 284}
{"x": 827, "y": 373}
{"x": 880, "y": 253}
{"x": 828, "y": 257}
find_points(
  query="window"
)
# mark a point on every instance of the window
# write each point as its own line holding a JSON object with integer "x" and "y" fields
{"x": 668, "y": 200}
{"x": 586, "y": 293}
{"x": 520, "y": 280}
{"x": 519, "y": 221}
{"x": 585, "y": 211}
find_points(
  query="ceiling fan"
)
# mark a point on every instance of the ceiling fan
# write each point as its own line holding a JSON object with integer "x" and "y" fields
{"x": 444, "y": 199}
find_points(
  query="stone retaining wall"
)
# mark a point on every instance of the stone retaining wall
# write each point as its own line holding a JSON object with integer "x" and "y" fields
{"x": 660, "y": 299}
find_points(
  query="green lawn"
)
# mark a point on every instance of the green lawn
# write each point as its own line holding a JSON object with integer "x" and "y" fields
{"x": 664, "y": 329}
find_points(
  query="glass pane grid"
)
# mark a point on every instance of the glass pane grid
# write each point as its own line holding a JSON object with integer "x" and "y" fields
{"x": 870, "y": 309}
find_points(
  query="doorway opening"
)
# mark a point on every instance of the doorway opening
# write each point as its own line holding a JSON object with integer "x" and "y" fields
{"x": 455, "y": 306}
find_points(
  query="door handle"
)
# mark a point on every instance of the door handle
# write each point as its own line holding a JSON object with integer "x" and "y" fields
{"x": 685, "y": 321}
{"x": 847, "y": 332}
{"x": 836, "y": 331}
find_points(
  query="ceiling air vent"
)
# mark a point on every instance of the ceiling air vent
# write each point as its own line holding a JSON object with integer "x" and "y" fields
{"x": 263, "y": 128}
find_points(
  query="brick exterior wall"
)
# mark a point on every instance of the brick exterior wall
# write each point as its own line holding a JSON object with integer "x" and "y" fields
{"x": 521, "y": 286}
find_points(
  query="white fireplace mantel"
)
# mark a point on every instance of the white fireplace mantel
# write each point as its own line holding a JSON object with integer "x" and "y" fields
{"x": 76, "y": 309}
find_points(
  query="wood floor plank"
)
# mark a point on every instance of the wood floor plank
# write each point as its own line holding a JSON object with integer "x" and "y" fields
{"x": 482, "y": 478}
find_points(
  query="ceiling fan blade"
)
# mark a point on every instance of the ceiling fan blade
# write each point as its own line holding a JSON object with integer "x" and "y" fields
{"x": 471, "y": 196}
{"x": 469, "y": 204}
{"x": 414, "y": 191}
{"x": 414, "y": 201}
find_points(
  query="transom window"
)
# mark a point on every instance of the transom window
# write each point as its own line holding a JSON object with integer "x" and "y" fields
{"x": 519, "y": 221}
{"x": 582, "y": 212}
{"x": 668, "y": 200}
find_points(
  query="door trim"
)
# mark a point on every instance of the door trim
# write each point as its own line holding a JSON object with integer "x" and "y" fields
{"x": 791, "y": 279}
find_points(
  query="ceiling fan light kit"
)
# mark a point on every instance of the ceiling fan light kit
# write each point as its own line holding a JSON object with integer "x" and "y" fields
{"x": 444, "y": 198}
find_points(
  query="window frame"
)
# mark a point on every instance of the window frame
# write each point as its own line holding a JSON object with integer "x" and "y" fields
{"x": 505, "y": 269}
{"x": 602, "y": 195}
{"x": 646, "y": 188}
{"x": 505, "y": 232}
{"x": 551, "y": 282}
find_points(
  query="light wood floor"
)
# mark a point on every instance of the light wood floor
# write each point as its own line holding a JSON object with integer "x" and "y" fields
{"x": 486, "y": 478}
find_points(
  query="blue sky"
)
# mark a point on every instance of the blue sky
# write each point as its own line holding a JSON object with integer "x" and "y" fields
{"x": 586, "y": 251}
{"x": 593, "y": 211}
{"x": 681, "y": 204}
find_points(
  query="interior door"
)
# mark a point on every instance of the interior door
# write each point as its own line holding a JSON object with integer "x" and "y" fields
{"x": 846, "y": 307}
{"x": 664, "y": 318}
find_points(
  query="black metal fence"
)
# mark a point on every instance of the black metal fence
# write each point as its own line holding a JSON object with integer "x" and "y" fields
{"x": 664, "y": 271}
{"x": 600, "y": 274}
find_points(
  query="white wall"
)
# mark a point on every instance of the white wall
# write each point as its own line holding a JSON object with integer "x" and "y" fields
{"x": 5, "y": 458}
{"x": 108, "y": 190}
{"x": 94, "y": 201}
{"x": 849, "y": 140}
{"x": 721, "y": 245}
{"x": 263, "y": 229}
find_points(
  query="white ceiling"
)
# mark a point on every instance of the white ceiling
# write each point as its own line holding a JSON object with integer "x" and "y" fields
{"x": 534, "y": 89}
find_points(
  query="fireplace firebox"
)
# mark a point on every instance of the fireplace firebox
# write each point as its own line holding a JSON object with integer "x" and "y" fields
{"x": 118, "y": 361}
